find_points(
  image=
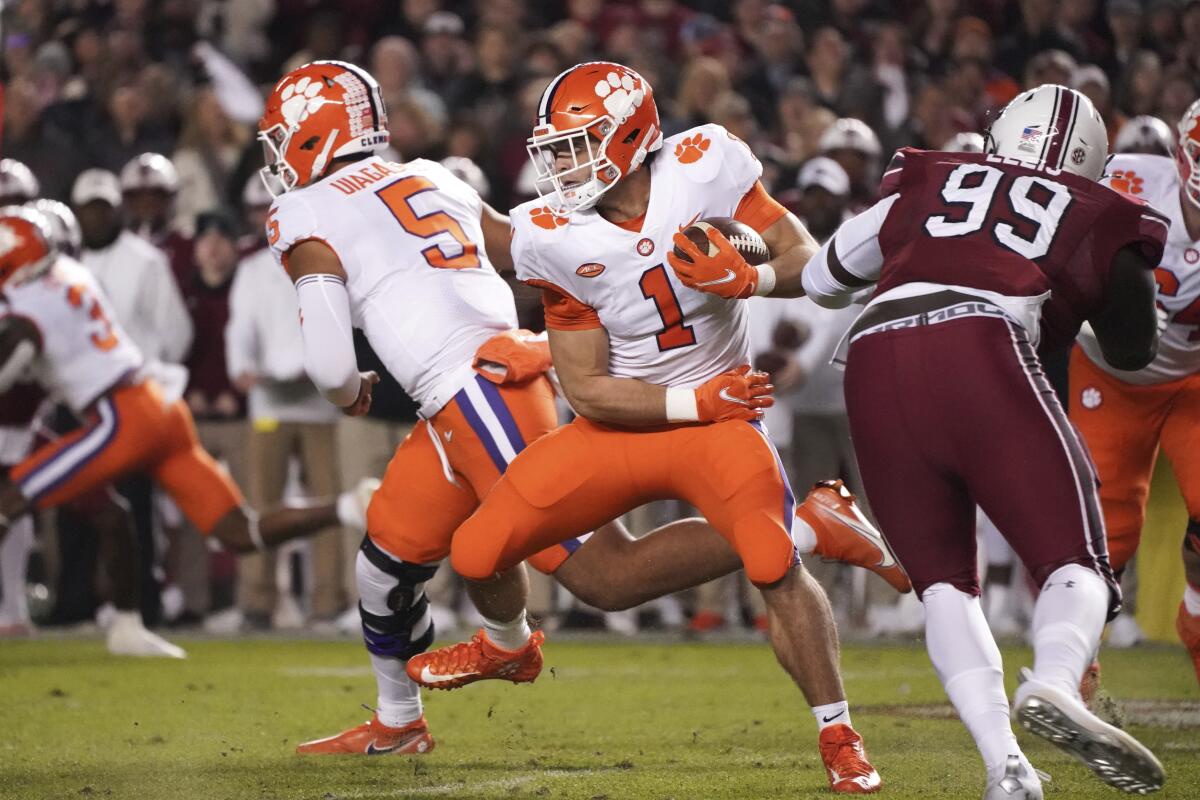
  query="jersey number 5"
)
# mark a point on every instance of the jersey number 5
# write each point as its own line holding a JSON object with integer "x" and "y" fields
{"x": 1037, "y": 206}
{"x": 655, "y": 286}
{"x": 397, "y": 196}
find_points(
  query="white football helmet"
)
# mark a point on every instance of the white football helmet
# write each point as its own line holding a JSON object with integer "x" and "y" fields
{"x": 848, "y": 133}
{"x": 964, "y": 143}
{"x": 150, "y": 171}
{"x": 1145, "y": 134}
{"x": 1187, "y": 153}
{"x": 65, "y": 236}
{"x": 17, "y": 182}
{"x": 1053, "y": 127}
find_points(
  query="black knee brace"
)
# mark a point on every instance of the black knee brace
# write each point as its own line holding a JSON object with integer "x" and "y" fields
{"x": 1191, "y": 539}
{"x": 391, "y": 635}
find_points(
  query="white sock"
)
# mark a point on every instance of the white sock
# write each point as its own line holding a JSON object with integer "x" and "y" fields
{"x": 967, "y": 662}
{"x": 399, "y": 699}
{"x": 1191, "y": 599}
{"x": 14, "y": 558}
{"x": 511, "y": 635}
{"x": 832, "y": 714}
{"x": 804, "y": 536}
{"x": 1067, "y": 622}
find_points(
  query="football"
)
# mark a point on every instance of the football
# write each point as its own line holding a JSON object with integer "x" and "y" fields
{"x": 743, "y": 238}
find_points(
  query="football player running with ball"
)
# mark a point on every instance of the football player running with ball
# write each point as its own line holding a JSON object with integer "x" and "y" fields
{"x": 405, "y": 251}
{"x": 978, "y": 259}
{"x": 657, "y": 371}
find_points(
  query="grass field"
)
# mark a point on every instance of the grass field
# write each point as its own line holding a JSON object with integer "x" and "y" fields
{"x": 606, "y": 721}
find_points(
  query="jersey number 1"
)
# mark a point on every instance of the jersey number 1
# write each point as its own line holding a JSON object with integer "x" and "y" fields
{"x": 397, "y": 196}
{"x": 655, "y": 286}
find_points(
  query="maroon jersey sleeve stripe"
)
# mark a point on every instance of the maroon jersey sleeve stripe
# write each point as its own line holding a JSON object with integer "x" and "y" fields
{"x": 839, "y": 272}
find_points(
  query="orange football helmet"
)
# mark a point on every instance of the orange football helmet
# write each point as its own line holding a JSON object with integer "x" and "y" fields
{"x": 25, "y": 249}
{"x": 603, "y": 115}
{"x": 316, "y": 113}
{"x": 1187, "y": 152}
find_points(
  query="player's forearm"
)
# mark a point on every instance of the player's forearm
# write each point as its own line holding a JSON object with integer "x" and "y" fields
{"x": 328, "y": 338}
{"x": 625, "y": 401}
{"x": 788, "y": 268}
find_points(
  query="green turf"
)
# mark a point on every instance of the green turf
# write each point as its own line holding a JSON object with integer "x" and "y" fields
{"x": 605, "y": 720}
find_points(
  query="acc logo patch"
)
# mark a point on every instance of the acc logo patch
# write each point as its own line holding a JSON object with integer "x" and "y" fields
{"x": 589, "y": 270}
{"x": 645, "y": 247}
{"x": 1091, "y": 398}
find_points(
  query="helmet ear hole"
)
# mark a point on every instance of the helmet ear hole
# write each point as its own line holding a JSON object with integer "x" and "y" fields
{"x": 310, "y": 143}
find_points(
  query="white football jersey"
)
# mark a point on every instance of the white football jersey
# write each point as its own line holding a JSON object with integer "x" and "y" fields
{"x": 1155, "y": 180}
{"x": 659, "y": 330}
{"x": 421, "y": 286}
{"x": 84, "y": 350}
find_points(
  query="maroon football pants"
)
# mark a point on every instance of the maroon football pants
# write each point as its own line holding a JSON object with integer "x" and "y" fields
{"x": 950, "y": 415}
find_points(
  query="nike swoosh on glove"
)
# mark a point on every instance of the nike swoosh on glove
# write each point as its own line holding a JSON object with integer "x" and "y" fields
{"x": 724, "y": 272}
{"x": 739, "y": 394}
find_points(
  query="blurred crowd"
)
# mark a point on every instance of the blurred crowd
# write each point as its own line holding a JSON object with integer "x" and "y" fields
{"x": 141, "y": 115}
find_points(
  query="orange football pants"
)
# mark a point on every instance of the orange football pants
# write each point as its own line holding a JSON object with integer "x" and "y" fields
{"x": 585, "y": 474}
{"x": 131, "y": 429}
{"x": 448, "y": 463}
{"x": 1124, "y": 425}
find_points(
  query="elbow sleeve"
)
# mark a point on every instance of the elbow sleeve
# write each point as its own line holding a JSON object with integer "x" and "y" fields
{"x": 328, "y": 337}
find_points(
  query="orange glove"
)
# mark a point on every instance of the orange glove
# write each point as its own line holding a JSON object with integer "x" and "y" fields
{"x": 513, "y": 357}
{"x": 737, "y": 394}
{"x": 723, "y": 273}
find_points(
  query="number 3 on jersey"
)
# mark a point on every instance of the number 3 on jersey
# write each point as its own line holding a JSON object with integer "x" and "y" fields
{"x": 397, "y": 196}
{"x": 103, "y": 338}
{"x": 655, "y": 286}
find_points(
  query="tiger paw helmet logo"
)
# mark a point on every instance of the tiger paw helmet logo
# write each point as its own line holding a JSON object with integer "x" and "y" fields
{"x": 692, "y": 149}
{"x": 302, "y": 99}
{"x": 544, "y": 218}
{"x": 621, "y": 94}
{"x": 1127, "y": 181}
{"x": 1090, "y": 398}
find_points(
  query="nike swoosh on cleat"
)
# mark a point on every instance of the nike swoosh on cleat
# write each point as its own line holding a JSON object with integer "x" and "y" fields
{"x": 372, "y": 750}
{"x": 835, "y": 716}
{"x": 729, "y": 276}
{"x": 429, "y": 677}
{"x": 726, "y": 396}
{"x": 864, "y": 531}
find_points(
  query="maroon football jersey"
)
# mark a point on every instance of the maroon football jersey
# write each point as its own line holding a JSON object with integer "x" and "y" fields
{"x": 985, "y": 222}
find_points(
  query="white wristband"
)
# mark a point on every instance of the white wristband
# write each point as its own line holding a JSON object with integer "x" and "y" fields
{"x": 766, "y": 280}
{"x": 681, "y": 405}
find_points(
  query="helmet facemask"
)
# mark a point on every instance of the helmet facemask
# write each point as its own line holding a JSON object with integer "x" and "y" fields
{"x": 1187, "y": 153}
{"x": 275, "y": 141}
{"x": 587, "y": 145}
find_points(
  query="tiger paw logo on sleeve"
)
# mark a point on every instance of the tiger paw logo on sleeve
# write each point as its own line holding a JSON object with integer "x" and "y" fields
{"x": 1127, "y": 181}
{"x": 692, "y": 149}
{"x": 544, "y": 218}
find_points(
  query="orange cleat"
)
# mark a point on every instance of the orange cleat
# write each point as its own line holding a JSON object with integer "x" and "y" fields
{"x": 1188, "y": 628}
{"x": 846, "y": 762}
{"x": 373, "y": 738}
{"x": 844, "y": 534}
{"x": 477, "y": 660}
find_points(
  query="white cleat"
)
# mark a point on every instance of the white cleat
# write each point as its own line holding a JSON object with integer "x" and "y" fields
{"x": 127, "y": 636}
{"x": 352, "y": 504}
{"x": 1062, "y": 719}
{"x": 1019, "y": 782}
